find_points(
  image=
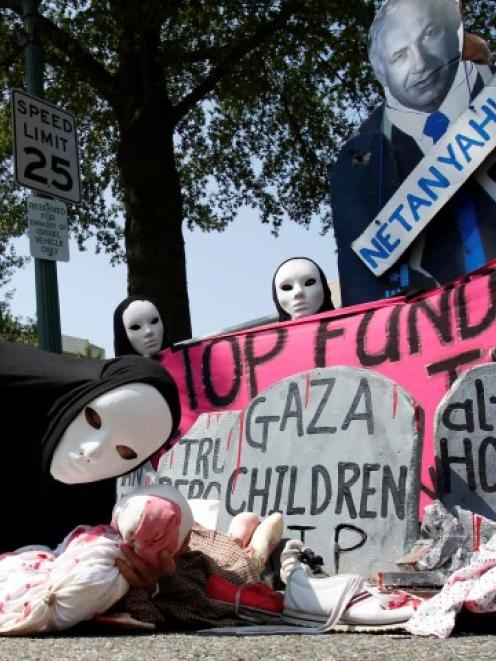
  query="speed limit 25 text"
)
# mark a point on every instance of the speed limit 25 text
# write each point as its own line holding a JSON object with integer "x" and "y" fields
{"x": 51, "y": 119}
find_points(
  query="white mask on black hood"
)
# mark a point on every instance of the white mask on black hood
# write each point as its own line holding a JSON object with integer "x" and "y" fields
{"x": 112, "y": 434}
{"x": 49, "y": 396}
{"x": 299, "y": 288}
{"x": 144, "y": 327}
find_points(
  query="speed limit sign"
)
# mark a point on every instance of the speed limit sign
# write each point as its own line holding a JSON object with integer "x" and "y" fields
{"x": 45, "y": 147}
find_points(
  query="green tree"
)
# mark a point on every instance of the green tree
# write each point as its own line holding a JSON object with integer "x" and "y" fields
{"x": 15, "y": 329}
{"x": 190, "y": 110}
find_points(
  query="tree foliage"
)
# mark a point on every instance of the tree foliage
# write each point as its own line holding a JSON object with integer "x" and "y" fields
{"x": 188, "y": 111}
{"x": 16, "y": 329}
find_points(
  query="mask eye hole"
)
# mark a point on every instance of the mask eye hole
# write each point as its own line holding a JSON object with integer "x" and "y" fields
{"x": 155, "y": 320}
{"x": 310, "y": 282}
{"x": 126, "y": 452}
{"x": 92, "y": 418}
{"x": 286, "y": 287}
{"x": 134, "y": 327}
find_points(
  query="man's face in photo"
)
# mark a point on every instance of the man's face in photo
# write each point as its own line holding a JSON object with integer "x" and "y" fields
{"x": 420, "y": 52}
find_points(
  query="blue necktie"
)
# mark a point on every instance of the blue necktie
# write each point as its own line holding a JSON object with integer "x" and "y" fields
{"x": 435, "y": 127}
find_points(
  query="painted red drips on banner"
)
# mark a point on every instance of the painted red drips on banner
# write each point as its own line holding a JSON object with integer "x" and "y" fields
{"x": 395, "y": 399}
{"x": 229, "y": 439}
{"x": 307, "y": 389}
{"x": 418, "y": 420}
{"x": 240, "y": 447}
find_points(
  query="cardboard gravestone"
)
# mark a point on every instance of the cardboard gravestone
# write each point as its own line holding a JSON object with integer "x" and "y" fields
{"x": 465, "y": 439}
{"x": 141, "y": 477}
{"x": 337, "y": 450}
{"x": 197, "y": 464}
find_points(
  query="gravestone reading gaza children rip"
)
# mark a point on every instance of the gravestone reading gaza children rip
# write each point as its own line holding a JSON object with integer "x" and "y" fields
{"x": 465, "y": 428}
{"x": 336, "y": 450}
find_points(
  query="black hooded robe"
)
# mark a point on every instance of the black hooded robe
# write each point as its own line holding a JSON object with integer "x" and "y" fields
{"x": 41, "y": 393}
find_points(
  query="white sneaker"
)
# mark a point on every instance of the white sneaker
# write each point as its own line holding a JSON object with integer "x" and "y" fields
{"x": 341, "y": 602}
{"x": 296, "y": 554}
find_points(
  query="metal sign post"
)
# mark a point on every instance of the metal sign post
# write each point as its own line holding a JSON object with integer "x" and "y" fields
{"x": 47, "y": 295}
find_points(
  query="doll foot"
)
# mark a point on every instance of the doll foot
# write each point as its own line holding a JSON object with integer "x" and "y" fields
{"x": 265, "y": 539}
{"x": 242, "y": 527}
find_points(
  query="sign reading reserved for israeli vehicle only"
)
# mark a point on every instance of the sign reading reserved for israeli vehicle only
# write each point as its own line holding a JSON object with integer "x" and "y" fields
{"x": 47, "y": 229}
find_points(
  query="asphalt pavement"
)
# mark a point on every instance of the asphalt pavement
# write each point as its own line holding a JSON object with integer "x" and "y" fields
{"x": 172, "y": 646}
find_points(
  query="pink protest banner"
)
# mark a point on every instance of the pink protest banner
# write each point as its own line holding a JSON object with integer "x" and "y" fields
{"x": 422, "y": 344}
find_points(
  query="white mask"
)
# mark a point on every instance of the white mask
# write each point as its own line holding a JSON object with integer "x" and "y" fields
{"x": 144, "y": 328}
{"x": 299, "y": 288}
{"x": 112, "y": 435}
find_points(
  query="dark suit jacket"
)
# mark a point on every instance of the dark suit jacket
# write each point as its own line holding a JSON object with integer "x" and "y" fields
{"x": 369, "y": 170}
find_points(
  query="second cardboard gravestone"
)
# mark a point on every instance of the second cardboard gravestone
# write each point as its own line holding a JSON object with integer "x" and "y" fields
{"x": 465, "y": 429}
{"x": 336, "y": 450}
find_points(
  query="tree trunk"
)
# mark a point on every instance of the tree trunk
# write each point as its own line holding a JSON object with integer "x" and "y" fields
{"x": 153, "y": 207}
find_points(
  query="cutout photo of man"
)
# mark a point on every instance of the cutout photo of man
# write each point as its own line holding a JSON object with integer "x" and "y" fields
{"x": 415, "y": 48}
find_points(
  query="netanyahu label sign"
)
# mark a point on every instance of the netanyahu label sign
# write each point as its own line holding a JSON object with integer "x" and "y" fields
{"x": 466, "y": 144}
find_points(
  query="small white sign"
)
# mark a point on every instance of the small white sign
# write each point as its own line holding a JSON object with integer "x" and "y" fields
{"x": 46, "y": 155}
{"x": 47, "y": 229}
{"x": 437, "y": 177}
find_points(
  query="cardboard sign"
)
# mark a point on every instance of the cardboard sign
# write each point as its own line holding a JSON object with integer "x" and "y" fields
{"x": 466, "y": 443}
{"x": 336, "y": 450}
{"x": 141, "y": 477}
{"x": 422, "y": 345}
{"x": 432, "y": 183}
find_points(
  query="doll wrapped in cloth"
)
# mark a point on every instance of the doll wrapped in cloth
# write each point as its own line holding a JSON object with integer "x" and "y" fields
{"x": 216, "y": 580}
{"x": 43, "y": 590}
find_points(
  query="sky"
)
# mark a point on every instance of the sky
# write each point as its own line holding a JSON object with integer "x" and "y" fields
{"x": 229, "y": 278}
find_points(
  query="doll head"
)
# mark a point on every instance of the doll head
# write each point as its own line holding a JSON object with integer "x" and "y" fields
{"x": 154, "y": 519}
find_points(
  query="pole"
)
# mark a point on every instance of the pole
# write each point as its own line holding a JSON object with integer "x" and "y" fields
{"x": 45, "y": 270}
